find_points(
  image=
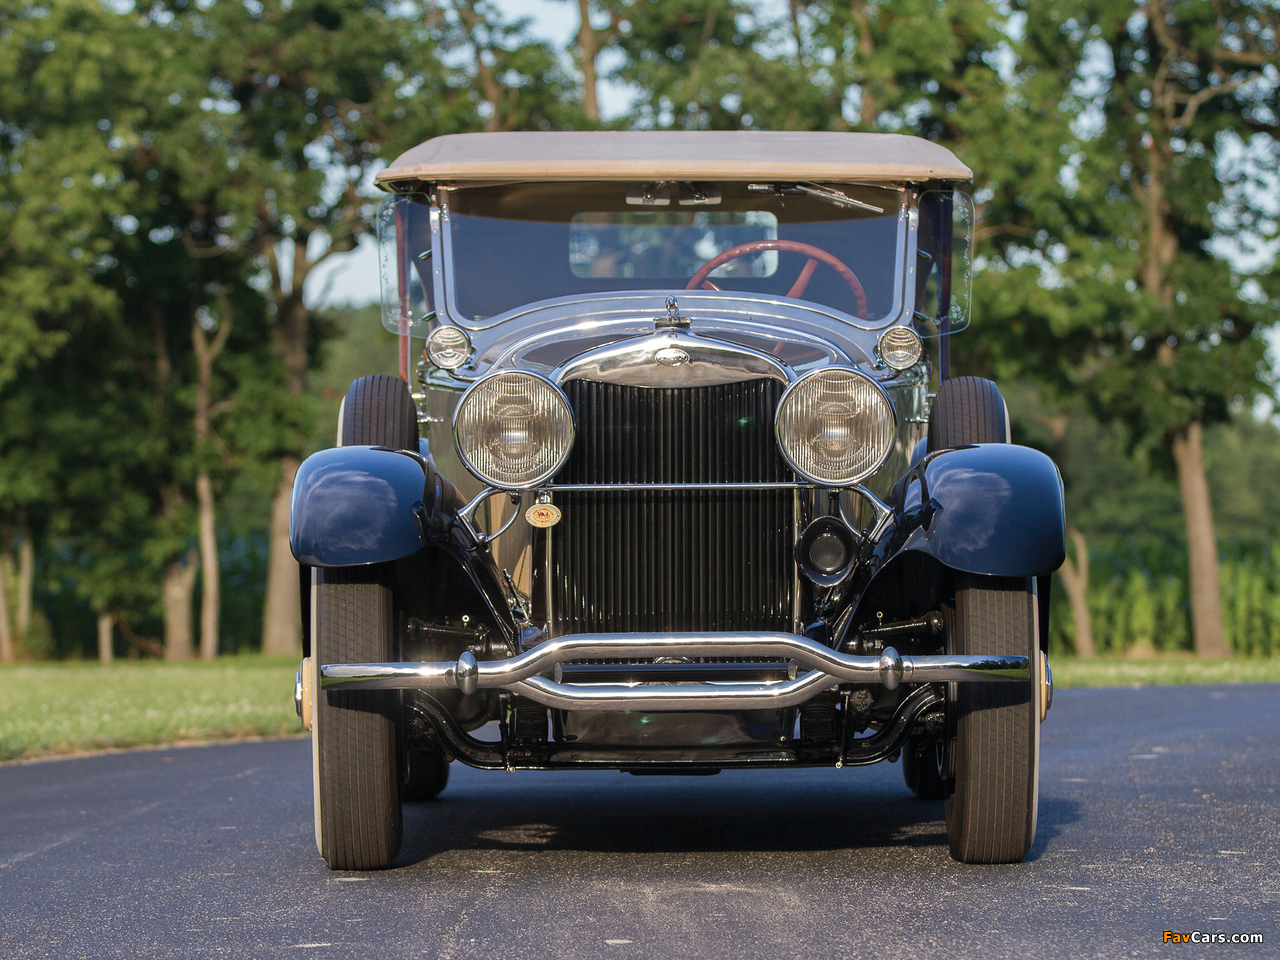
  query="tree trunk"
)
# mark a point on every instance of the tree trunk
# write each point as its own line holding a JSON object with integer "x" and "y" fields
{"x": 1160, "y": 249}
{"x": 26, "y": 585}
{"x": 1075, "y": 577}
{"x": 106, "y": 624}
{"x": 280, "y": 614}
{"x": 588, "y": 49}
{"x": 870, "y": 106}
{"x": 6, "y": 635}
{"x": 210, "y": 599}
{"x": 1202, "y": 544}
{"x": 178, "y": 585}
{"x": 207, "y": 351}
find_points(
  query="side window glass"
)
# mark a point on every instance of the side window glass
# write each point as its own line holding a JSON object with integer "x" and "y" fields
{"x": 944, "y": 263}
{"x": 404, "y": 264}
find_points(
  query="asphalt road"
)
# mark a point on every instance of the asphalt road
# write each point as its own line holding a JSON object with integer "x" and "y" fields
{"x": 1160, "y": 810}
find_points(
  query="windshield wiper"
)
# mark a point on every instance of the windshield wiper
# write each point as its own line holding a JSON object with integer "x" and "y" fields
{"x": 808, "y": 188}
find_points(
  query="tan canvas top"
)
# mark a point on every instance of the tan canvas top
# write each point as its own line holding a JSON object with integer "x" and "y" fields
{"x": 675, "y": 155}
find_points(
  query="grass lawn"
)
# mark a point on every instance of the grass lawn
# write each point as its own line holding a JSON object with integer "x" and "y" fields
{"x": 1160, "y": 670}
{"x": 49, "y": 709}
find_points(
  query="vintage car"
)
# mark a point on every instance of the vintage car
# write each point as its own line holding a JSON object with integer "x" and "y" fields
{"x": 675, "y": 489}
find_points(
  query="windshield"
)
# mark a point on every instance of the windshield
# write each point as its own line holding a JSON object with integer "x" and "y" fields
{"x": 514, "y": 244}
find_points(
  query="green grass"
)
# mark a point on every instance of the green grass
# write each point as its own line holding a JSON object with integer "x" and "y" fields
{"x": 48, "y": 709}
{"x": 1161, "y": 671}
{"x": 51, "y": 709}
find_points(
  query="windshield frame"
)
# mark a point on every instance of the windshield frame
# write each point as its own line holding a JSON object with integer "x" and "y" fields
{"x": 903, "y": 287}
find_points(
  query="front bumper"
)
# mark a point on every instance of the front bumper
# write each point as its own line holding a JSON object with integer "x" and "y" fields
{"x": 823, "y": 669}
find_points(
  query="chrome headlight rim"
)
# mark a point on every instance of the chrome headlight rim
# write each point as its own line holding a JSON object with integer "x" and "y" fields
{"x": 541, "y": 478}
{"x": 802, "y": 383}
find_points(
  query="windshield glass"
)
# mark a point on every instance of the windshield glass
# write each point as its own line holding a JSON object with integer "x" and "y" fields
{"x": 837, "y": 245}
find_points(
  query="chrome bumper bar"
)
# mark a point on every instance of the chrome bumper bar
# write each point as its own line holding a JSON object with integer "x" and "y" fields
{"x": 826, "y": 668}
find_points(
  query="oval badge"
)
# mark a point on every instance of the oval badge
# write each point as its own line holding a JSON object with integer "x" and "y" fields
{"x": 671, "y": 356}
{"x": 543, "y": 515}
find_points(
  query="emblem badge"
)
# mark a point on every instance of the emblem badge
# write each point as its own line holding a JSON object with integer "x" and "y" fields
{"x": 671, "y": 356}
{"x": 543, "y": 515}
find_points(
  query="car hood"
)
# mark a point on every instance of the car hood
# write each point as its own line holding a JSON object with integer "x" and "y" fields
{"x": 626, "y": 338}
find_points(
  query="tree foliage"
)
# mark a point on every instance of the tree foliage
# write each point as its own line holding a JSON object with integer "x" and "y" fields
{"x": 171, "y": 174}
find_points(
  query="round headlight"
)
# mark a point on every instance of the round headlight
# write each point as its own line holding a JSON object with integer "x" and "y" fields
{"x": 448, "y": 347}
{"x": 513, "y": 429}
{"x": 835, "y": 426}
{"x": 899, "y": 347}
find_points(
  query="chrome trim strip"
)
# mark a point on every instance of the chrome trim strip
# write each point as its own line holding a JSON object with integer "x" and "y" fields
{"x": 828, "y": 667}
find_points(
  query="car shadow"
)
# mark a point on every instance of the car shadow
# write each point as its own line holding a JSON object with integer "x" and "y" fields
{"x": 774, "y": 811}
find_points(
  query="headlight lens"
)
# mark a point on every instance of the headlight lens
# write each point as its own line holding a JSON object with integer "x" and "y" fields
{"x": 900, "y": 348}
{"x": 448, "y": 347}
{"x": 513, "y": 429}
{"x": 835, "y": 426}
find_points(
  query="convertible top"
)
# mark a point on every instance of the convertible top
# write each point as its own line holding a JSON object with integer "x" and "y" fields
{"x": 674, "y": 155}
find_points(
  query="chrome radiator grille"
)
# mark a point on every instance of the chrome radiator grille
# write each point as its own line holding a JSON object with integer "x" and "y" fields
{"x": 673, "y": 560}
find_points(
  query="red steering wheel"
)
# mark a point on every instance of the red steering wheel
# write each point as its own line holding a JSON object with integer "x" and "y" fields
{"x": 700, "y": 281}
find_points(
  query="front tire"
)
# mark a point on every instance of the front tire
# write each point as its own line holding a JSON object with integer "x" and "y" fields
{"x": 967, "y": 410}
{"x": 991, "y": 755}
{"x": 358, "y": 815}
{"x": 378, "y": 411}
{"x": 994, "y": 751}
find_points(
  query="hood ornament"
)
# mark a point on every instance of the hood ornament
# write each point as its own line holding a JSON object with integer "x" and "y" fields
{"x": 672, "y": 319}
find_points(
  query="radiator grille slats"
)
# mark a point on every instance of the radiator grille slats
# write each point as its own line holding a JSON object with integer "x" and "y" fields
{"x": 673, "y": 560}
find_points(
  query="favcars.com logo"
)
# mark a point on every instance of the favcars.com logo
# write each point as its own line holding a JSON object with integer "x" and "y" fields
{"x": 1199, "y": 936}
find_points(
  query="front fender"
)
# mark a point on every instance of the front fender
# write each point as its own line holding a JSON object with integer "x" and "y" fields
{"x": 991, "y": 508}
{"x": 357, "y": 505}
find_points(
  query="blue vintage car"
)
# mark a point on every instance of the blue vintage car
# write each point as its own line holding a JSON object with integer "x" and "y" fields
{"x": 682, "y": 484}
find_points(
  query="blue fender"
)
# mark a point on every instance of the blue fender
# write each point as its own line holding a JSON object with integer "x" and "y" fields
{"x": 357, "y": 505}
{"x": 991, "y": 508}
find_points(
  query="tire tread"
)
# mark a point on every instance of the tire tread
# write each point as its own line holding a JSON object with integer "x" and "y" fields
{"x": 379, "y": 411}
{"x": 967, "y": 410}
{"x": 360, "y": 806}
{"x": 989, "y": 815}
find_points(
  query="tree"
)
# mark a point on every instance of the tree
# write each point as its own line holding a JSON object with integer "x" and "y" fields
{"x": 61, "y": 192}
{"x": 701, "y": 65}
{"x": 1148, "y": 321}
{"x": 513, "y": 81}
{"x": 303, "y": 95}
{"x": 590, "y": 42}
{"x": 154, "y": 366}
